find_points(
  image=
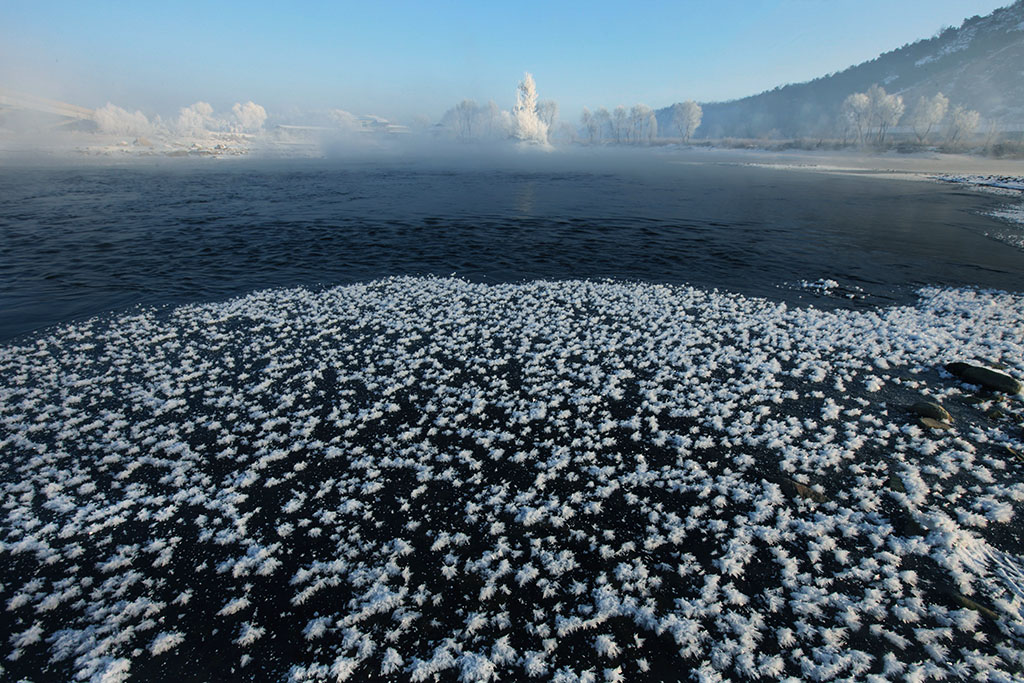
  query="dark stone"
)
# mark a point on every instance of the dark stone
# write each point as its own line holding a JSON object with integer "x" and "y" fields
{"x": 935, "y": 424}
{"x": 931, "y": 410}
{"x": 797, "y": 490}
{"x": 995, "y": 380}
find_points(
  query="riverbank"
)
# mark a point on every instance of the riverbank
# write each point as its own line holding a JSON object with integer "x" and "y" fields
{"x": 413, "y": 477}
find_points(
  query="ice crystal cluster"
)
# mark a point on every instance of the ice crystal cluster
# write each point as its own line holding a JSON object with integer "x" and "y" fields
{"x": 420, "y": 479}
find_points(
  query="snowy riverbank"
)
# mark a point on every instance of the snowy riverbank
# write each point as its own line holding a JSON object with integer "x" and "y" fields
{"x": 574, "y": 481}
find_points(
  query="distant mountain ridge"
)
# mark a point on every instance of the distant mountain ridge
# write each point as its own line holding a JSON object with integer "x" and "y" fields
{"x": 979, "y": 65}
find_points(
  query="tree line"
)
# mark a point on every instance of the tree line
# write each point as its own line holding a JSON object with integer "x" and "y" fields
{"x": 865, "y": 118}
{"x": 637, "y": 125}
{"x": 535, "y": 120}
{"x": 869, "y": 116}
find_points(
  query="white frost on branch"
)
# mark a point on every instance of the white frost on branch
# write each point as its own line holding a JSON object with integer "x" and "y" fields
{"x": 527, "y": 125}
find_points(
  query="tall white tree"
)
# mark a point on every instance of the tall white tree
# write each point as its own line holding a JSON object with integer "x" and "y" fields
{"x": 527, "y": 125}
{"x": 927, "y": 114}
{"x": 686, "y": 117}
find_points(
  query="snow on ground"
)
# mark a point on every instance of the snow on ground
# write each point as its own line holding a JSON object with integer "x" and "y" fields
{"x": 988, "y": 181}
{"x": 570, "y": 481}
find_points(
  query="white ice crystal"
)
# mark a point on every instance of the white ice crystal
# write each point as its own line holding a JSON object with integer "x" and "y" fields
{"x": 166, "y": 641}
{"x": 411, "y": 475}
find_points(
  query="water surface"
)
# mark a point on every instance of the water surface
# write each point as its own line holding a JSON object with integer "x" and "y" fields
{"x": 78, "y": 242}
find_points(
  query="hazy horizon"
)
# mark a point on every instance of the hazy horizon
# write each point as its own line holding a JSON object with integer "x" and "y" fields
{"x": 401, "y": 60}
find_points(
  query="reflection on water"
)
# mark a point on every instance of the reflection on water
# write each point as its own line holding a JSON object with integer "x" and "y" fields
{"x": 524, "y": 203}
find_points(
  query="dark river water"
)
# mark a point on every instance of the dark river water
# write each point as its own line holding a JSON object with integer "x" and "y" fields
{"x": 83, "y": 241}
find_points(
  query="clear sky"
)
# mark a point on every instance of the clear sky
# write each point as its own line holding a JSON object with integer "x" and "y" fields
{"x": 399, "y": 59}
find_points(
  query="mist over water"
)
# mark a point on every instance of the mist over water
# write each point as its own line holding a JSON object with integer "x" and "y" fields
{"x": 82, "y": 241}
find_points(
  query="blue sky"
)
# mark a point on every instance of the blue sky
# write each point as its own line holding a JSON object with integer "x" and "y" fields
{"x": 399, "y": 59}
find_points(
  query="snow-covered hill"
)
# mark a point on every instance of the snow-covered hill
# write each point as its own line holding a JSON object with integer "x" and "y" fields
{"x": 979, "y": 65}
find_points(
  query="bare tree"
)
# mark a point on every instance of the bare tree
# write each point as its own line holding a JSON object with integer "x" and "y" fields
{"x": 927, "y": 114}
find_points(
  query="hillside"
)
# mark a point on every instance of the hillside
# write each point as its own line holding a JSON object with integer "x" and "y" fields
{"x": 979, "y": 65}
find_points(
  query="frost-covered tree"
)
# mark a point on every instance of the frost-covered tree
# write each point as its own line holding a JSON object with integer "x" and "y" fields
{"x": 886, "y": 111}
{"x": 527, "y": 125}
{"x": 603, "y": 120}
{"x": 469, "y": 121}
{"x": 643, "y": 124}
{"x": 114, "y": 119}
{"x": 619, "y": 119}
{"x": 927, "y": 114}
{"x": 633, "y": 131}
{"x": 962, "y": 123}
{"x": 686, "y": 117}
{"x": 466, "y": 113}
{"x": 651, "y": 129}
{"x": 494, "y": 123}
{"x": 589, "y": 126}
{"x": 249, "y": 117}
{"x": 855, "y": 114}
{"x": 873, "y": 112}
{"x": 547, "y": 110}
{"x": 193, "y": 120}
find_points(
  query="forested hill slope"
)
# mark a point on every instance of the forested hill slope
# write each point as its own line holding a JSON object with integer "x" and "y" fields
{"x": 979, "y": 65}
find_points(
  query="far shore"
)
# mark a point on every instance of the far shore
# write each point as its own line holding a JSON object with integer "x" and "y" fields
{"x": 90, "y": 148}
{"x": 914, "y": 166}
